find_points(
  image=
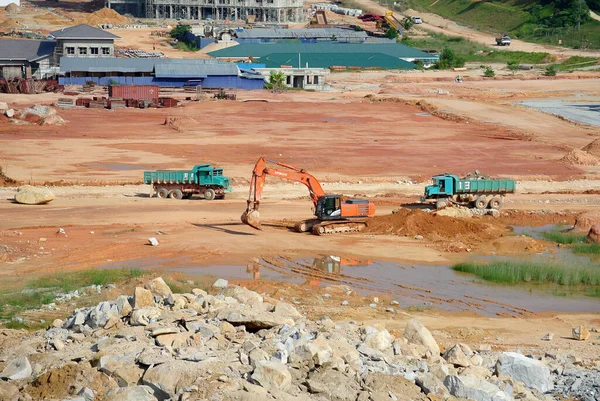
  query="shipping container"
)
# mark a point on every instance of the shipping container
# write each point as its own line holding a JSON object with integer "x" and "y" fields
{"x": 168, "y": 102}
{"x": 136, "y": 92}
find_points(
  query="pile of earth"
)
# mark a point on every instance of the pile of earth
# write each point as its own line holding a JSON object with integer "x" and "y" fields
{"x": 12, "y": 8}
{"x": 42, "y": 115}
{"x": 180, "y": 123}
{"x": 11, "y": 23}
{"x": 406, "y": 222}
{"x": 579, "y": 157}
{"x": 585, "y": 221}
{"x": 593, "y": 148}
{"x": 104, "y": 16}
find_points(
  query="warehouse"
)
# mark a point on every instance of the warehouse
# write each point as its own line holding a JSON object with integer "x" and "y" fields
{"x": 26, "y": 59}
{"x": 325, "y": 55}
{"x": 307, "y": 35}
{"x": 161, "y": 72}
{"x": 83, "y": 41}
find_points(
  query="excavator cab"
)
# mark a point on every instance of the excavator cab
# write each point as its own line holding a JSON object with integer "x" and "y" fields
{"x": 329, "y": 207}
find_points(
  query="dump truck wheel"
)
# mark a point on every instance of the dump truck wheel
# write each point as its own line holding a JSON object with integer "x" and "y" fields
{"x": 209, "y": 194}
{"x": 441, "y": 203}
{"x": 495, "y": 203}
{"x": 162, "y": 193}
{"x": 481, "y": 203}
{"x": 176, "y": 194}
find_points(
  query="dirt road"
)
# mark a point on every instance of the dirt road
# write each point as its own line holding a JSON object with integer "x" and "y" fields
{"x": 438, "y": 24}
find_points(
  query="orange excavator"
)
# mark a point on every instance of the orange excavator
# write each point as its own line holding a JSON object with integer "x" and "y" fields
{"x": 333, "y": 214}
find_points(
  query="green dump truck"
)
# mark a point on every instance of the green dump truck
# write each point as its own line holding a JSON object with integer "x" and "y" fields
{"x": 203, "y": 179}
{"x": 474, "y": 190}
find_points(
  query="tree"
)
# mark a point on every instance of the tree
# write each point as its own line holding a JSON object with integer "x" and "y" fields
{"x": 407, "y": 23}
{"x": 276, "y": 81}
{"x": 179, "y": 32}
{"x": 513, "y": 66}
{"x": 449, "y": 59}
{"x": 489, "y": 72}
{"x": 391, "y": 33}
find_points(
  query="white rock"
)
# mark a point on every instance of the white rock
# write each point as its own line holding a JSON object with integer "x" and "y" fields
{"x": 158, "y": 287}
{"x": 344, "y": 303}
{"x": 474, "y": 389}
{"x": 548, "y": 337}
{"x": 429, "y": 383}
{"x": 123, "y": 306}
{"x": 143, "y": 316}
{"x": 137, "y": 393}
{"x": 416, "y": 333}
{"x": 29, "y": 195}
{"x": 10, "y": 113}
{"x": 532, "y": 373}
{"x": 18, "y": 368}
{"x": 58, "y": 344}
{"x": 272, "y": 375}
{"x": 380, "y": 341}
{"x": 153, "y": 241}
{"x": 220, "y": 283}
{"x": 457, "y": 357}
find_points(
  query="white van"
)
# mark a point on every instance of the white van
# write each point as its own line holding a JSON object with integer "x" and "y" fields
{"x": 417, "y": 20}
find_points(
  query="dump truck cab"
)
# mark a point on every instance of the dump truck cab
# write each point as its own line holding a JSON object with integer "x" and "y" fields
{"x": 209, "y": 175}
{"x": 443, "y": 187}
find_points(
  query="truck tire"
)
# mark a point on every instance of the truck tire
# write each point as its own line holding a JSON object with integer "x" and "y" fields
{"x": 441, "y": 203}
{"x": 495, "y": 203}
{"x": 209, "y": 194}
{"x": 162, "y": 193}
{"x": 481, "y": 202}
{"x": 176, "y": 194}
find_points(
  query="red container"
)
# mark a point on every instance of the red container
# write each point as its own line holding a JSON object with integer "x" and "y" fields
{"x": 136, "y": 92}
{"x": 168, "y": 102}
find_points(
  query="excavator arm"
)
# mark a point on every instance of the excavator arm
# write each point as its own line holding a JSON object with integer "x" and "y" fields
{"x": 261, "y": 170}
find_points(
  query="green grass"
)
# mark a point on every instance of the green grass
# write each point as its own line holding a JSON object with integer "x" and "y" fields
{"x": 594, "y": 292}
{"x": 43, "y": 290}
{"x": 587, "y": 248}
{"x": 472, "y": 51}
{"x": 562, "y": 237}
{"x": 512, "y": 272}
{"x": 186, "y": 47}
{"x": 577, "y": 62}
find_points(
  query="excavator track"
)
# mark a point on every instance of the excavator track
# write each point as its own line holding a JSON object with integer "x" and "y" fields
{"x": 338, "y": 227}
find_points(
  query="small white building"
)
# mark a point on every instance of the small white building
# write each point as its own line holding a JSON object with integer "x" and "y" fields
{"x": 303, "y": 78}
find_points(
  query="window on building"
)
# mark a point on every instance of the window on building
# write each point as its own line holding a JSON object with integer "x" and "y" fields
{"x": 309, "y": 79}
{"x": 94, "y": 51}
{"x": 83, "y": 51}
{"x": 316, "y": 80}
{"x": 70, "y": 50}
{"x": 106, "y": 51}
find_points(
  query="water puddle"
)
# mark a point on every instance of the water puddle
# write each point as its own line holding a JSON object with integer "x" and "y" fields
{"x": 538, "y": 232}
{"x": 412, "y": 285}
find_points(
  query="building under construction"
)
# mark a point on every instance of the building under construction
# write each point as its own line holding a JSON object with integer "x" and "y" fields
{"x": 273, "y": 11}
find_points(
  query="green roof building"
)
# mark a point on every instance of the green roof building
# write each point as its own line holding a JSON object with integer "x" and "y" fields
{"x": 325, "y": 55}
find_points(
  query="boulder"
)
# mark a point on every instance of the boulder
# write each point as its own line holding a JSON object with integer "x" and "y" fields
{"x": 158, "y": 287}
{"x": 123, "y": 305}
{"x": 580, "y": 333}
{"x": 416, "y": 333}
{"x": 29, "y": 195}
{"x": 101, "y": 314}
{"x": 8, "y": 391}
{"x": 318, "y": 351}
{"x": 532, "y": 373}
{"x": 143, "y": 316}
{"x": 457, "y": 357}
{"x": 593, "y": 235}
{"x": 254, "y": 320}
{"x": 585, "y": 221}
{"x": 142, "y": 298}
{"x": 220, "y": 283}
{"x": 137, "y": 393}
{"x": 18, "y": 368}
{"x": 474, "y": 389}
{"x": 272, "y": 375}
{"x": 169, "y": 378}
{"x": 333, "y": 385}
{"x": 381, "y": 340}
{"x": 430, "y": 384}
{"x": 243, "y": 295}
{"x": 10, "y": 113}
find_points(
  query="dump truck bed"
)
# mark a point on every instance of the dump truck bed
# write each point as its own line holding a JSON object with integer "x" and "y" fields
{"x": 485, "y": 186}
{"x": 170, "y": 177}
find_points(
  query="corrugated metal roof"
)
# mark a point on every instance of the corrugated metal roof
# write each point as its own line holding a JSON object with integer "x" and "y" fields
{"x": 106, "y": 64}
{"x": 326, "y": 60}
{"x": 82, "y": 31}
{"x": 193, "y": 69}
{"x": 30, "y": 50}
{"x": 260, "y": 33}
{"x": 258, "y": 50}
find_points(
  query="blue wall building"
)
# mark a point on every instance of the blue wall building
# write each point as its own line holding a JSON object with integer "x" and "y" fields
{"x": 161, "y": 72}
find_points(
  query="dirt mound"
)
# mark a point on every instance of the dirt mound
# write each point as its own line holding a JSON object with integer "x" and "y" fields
{"x": 459, "y": 212}
{"x": 585, "y": 221}
{"x": 12, "y": 8}
{"x": 104, "y": 16}
{"x": 578, "y": 157}
{"x": 593, "y": 148}
{"x": 11, "y": 23}
{"x": 180, "y": 123}
{"x": 410, "y": 223}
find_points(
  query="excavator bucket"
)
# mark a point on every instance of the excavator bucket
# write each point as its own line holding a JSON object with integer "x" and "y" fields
{"x": 251, "y": 218}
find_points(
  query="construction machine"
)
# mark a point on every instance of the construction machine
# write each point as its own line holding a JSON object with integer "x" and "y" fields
{"x": 333, "y": 214}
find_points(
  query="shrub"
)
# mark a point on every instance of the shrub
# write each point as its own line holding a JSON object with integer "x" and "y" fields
{"x": 551, "y": 70}
{"x": 489, "y": 72}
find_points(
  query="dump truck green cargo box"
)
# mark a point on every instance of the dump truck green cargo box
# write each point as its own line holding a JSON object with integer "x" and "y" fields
{"x": 203, "y": 179}
{"x": 485, "y": 186}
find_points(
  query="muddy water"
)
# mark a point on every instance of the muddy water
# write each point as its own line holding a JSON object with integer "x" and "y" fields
{"x": 412, "y": 285}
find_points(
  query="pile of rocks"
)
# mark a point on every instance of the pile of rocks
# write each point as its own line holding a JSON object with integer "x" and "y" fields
{"x": 235, "y": 345}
